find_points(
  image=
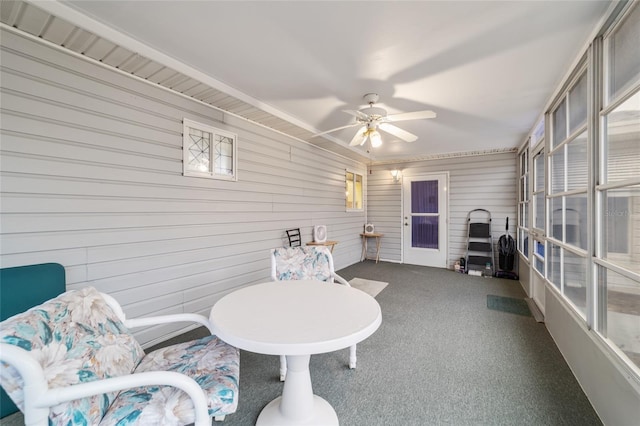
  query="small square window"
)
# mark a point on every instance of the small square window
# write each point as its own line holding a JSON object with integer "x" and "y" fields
{"x": 208, "y": 152}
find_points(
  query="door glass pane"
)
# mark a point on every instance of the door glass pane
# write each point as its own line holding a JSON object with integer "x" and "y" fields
{"x": 424, "y": 232}
{"x": 623, "y": 317}
{"x": 538, "y": 164}
{"x": 623, "y": 140}
{"x": 538, "y": 205}
{"x": 424, "y": 196}
{"x": 555, "y": 204}
{"x": 538, "y": 250}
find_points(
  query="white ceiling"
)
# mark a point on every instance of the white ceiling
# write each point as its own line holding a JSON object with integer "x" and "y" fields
{"x": 487, "y": 68}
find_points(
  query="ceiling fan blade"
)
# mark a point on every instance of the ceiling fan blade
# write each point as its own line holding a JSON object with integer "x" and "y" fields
{"x": 397, "y": 132}
{"x": 336, "y": 129}
{"x": 359, "y": 137}
{"x": 416, "y": 115}
{"x": 356, "y": 114}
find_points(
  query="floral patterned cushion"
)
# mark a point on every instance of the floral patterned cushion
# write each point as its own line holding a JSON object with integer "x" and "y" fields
{"x": 77, "y": 338}
{"x": 302, "y": 263}
{"x": 211, "y": 362}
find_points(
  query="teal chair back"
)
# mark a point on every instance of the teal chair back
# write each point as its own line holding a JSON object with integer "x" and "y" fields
{"x": 24, "y": 287}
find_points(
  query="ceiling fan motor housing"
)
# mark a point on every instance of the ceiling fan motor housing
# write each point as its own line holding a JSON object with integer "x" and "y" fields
{"x": 374, "y": 112}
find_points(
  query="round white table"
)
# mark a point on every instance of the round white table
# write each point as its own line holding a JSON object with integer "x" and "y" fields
{"x": 296, "y": 319}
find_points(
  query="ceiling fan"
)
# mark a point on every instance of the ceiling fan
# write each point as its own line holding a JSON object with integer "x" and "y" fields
{"x": 372, "y": 118}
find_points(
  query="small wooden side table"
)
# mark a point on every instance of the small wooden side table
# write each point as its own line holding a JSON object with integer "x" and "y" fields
{"x": 327, "y": 243}
{"x": 365, "y": 236}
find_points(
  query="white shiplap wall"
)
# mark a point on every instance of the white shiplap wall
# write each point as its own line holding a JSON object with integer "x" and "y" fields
{"x": 478, "y": 181}
{"x": 91, "y": 177}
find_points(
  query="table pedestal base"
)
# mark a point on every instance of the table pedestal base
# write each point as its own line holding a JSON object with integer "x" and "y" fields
{"x": 298, "y": 405}
{"x": 322, "y": 414}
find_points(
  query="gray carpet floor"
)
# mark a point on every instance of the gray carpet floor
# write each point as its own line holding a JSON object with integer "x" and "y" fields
{"x": 440, "y": 357}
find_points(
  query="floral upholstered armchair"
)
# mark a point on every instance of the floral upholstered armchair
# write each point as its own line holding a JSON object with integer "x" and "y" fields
{"x": 306, "y": 263}
{"x": 72, "y": 360}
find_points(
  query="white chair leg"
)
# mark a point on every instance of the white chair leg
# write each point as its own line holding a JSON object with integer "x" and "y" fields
{"x": 219, "y": 418}
{"x": 283, "y": 367}
{"x": 352, "y": 356}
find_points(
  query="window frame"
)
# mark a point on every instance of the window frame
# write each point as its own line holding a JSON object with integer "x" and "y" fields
{"x": 211, "y": 173}
{"x": 353, "y": 182}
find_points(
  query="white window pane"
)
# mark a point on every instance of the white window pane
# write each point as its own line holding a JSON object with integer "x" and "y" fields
{"x": 557, "y": 218}
{"x": 623, "y": 141}
{"x": 575, "y": 285}
{"x": 624, "y": 60}
{"x": 622, "y": 221}
{"x": 555, "y": 262}
{"x": 557, "y": 171}
{"x": 578, "y": 104}
{"x": 538, "y": 168}
{"x": 559, "y": 124}
{"x": 577, "y": 171}
{"x": 576, "y": 220}
{"x": 199, "y": 147}
{"x": 523, "y": 242}
{"x": 623, "y": 321}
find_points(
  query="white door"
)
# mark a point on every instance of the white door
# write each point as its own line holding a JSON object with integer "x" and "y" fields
{"x": 424, "y": 214}
{"x": 537, "y": 235}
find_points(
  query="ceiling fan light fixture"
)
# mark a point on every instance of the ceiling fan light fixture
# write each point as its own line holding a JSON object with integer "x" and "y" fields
{"x": 375, "y": 138}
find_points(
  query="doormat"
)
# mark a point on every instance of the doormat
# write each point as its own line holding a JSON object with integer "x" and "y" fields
{"x": 370, "y": 287}
{"x": 508, "y": 304}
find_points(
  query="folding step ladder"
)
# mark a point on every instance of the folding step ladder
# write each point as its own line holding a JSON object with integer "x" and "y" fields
{"x": 479, "y": 243}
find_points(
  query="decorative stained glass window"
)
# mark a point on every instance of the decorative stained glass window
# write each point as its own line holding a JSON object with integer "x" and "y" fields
{"x": 208, "y": 152}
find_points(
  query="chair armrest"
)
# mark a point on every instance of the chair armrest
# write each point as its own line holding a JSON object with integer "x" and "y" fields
{"x": 166, "y": 319}
{"x": 341, "y": 280}
{"x": 38, "y": 397}
{"x": 161, "y": 319}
